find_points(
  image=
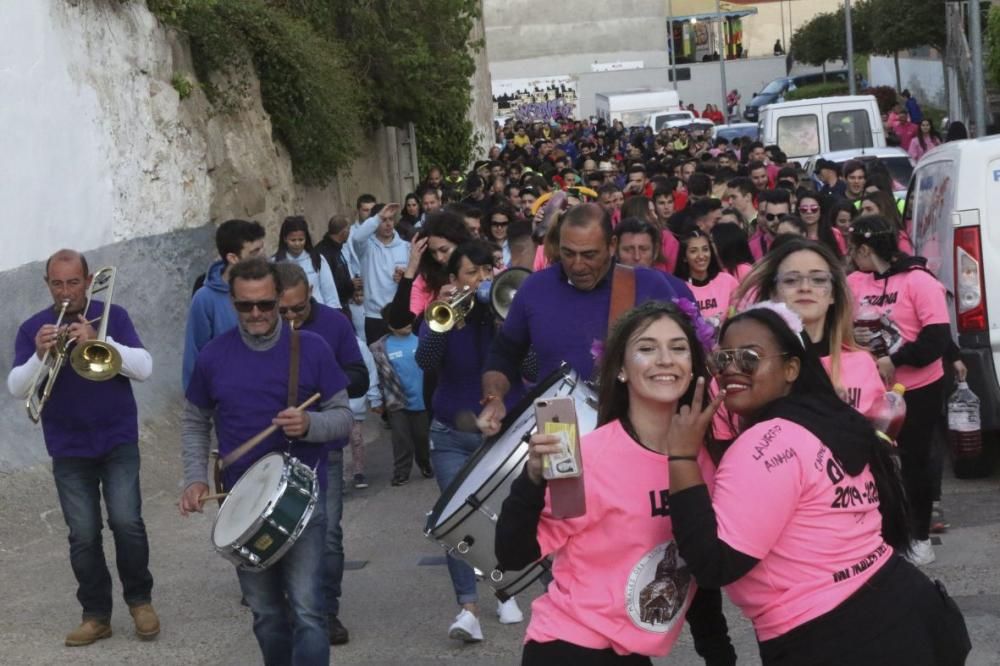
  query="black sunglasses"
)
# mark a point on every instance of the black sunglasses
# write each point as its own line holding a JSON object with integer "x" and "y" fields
{"x": 297, "y": 309}
{"x": 246, "y": 307}
{"x": 747, "y": 360}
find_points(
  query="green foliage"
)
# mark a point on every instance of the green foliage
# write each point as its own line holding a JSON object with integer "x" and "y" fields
{"x": 331, "y": 70}
{"x": 819, "y": 40}
{"x": 992, "y": 39}
{"x": 884, "y": 95}
{"x": 831, "y": 89}
{"x": 182, "y": 85}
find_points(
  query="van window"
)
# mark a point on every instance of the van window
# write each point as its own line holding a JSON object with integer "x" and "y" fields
{"x": 849, "y": 129}
{"x": 799, "y": 135}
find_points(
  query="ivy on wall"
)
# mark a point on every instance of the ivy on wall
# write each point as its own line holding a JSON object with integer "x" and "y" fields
{"x": 331, "y": 70}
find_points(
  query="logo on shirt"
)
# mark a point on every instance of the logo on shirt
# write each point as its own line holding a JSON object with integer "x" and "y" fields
{"x": 659, "y": 589}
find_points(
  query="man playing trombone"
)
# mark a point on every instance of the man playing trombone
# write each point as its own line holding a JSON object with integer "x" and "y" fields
{"x": 91, "y": 430}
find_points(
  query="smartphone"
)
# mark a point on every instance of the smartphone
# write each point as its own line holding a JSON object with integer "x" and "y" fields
{"x": 563, "y": 470}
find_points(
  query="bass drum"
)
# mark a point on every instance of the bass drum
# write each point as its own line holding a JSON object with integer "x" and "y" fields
{"x": 464, "y": 519}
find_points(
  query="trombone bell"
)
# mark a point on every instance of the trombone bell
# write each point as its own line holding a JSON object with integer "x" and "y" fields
{"x": 96, "y": 360}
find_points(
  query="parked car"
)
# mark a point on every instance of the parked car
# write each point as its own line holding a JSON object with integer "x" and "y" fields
{"x": 809, "y": 127}
{"x": 742, "y": 130}
{"x": 775, "y": 90}
{"x": 669, "y": 119}
{"x": 954, "y": 201}
{"x": 895, "y": 159}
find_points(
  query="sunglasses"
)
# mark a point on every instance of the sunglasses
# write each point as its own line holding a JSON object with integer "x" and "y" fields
{"x": 808, "y": 209}
{"x": 297, "y": 309}
{"x": 819, "y": 280}
{"x": 771, "y": 217}
{"x": 498, "y": 224}
{"x": 246, "y": 307}
{"x": 746, "y": 360}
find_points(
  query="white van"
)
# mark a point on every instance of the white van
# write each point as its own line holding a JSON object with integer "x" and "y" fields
{"x": 954, "y": 205}
{"x": 809, "y": 127}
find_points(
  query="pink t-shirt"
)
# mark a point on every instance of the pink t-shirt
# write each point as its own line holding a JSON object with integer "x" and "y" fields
{"x": 540, "y": 260}
{"x": 908, "y": 301}
{"x": 714, "y": 298}
{"x": 420, "y": 296}
{"x": 742, "y": 270}
{"x": 759, "y": 244}
{"x": 782, "y": 498}
{"x": 860, "y": 380}
{"x": 841, "y": 243}
{"x": 619, "y": 580}
{"x": 670, "y": 247}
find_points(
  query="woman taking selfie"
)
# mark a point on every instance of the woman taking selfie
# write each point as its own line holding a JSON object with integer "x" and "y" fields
{"x": 807, "y": 518}
{"x": 619, "y": 593}
{"x": 910, "y": 332}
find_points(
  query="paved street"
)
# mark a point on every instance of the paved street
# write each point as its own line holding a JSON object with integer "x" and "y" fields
{"x": 397, "y": 610}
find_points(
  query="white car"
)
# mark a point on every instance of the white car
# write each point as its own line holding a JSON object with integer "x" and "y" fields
{"x": 895, "y": 159}
{"x": 667, "y": 119}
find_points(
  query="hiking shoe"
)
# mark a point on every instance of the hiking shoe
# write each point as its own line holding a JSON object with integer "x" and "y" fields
{"x": 338, "y": 632}
{"x": 399, "y": 481}
{"x": 360, "y": 482}
{"x": 466, "y": 628}
{"x": 426, "y": 471}
{"x": 509, "y": 612}
{"x": 921, "y": 552}
{"x": 147, "y": 624}
{"x": 90, "y": 631}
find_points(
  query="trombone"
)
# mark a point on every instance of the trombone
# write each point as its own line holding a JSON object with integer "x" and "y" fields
{"x": 443, "y": 315}
{"x": 95, "y": 360}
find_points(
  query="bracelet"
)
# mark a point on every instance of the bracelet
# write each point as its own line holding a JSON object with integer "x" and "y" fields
{"x": 671, "y": 458}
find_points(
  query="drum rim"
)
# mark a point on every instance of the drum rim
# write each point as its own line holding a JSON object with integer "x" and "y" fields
{"x": 241, "y": 541}
{"x": 562, "y": 373}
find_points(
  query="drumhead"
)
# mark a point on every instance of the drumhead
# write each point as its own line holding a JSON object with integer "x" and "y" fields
{"x": 248, "y": 499}
{"x": 494, "y": 453}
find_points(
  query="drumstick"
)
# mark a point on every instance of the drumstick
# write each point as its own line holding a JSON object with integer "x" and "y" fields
{"x": 243, "y": 448}
{"x": 214, "y": 496}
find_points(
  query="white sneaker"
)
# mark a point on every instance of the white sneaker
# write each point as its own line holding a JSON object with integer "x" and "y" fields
{"x": 921, "y": 552}
{"x": 509, "y": 612}
{"x": 466, "y": 628}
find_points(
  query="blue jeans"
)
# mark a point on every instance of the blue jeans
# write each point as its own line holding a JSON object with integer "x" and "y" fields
{"x": 450, "y": 449}
{"x": 334, "y": 553}
{"x": 80, "y": 482}
{"x": 289, "y": 614}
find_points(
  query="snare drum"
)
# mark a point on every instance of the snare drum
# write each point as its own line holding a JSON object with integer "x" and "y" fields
{"x": 464, "y": 519}
{"x": 265, "y": 512}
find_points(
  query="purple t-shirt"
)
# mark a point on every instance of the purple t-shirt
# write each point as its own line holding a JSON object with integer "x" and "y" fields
{"x": 561, "y": 323}
{"x": 247, "y": 389}
{"x": 337, "y": 331}
{"x": 84, "y": 418}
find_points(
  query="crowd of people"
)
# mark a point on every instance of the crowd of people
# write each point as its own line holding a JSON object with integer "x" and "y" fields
{"x": 710, "y": 292}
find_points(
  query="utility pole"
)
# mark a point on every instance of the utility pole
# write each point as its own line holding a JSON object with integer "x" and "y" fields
{"x": 670, "y": 42}
{"x": 722, "y": 56}
{"x": 849, "y": 31}
{"x": 976, "y": 47}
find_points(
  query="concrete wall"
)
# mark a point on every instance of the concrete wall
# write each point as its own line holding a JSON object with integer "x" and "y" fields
{"x": 923, "y": 76}
{"x": 747, "y": 76}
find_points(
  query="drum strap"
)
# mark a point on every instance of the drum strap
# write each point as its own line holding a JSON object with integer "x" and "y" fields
{"x": 293, "y": 370}
{"x": 622, "y": 293}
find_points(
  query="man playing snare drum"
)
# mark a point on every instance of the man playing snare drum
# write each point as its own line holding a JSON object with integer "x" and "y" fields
{"x": 240, "y": 382}
{"x": 91, "y": 431}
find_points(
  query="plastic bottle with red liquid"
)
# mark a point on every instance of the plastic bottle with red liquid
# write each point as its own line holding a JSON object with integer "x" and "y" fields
{"x": 965, "y": 436}
{"x": 868, "y": 326}
{"x": 890, "y": 417}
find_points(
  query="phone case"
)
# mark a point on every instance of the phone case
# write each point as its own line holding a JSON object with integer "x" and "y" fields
{"x": 564, "y": 471}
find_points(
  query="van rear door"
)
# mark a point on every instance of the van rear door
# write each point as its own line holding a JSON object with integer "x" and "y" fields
{"x": 849, "y": 127}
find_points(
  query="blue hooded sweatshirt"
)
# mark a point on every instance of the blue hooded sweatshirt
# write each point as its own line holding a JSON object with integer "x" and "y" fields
{"x": 211, "y": 314}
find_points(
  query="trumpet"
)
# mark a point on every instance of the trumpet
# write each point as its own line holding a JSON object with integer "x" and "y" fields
{"x": 443, "y": 315}
{"x": 95, "y": 360}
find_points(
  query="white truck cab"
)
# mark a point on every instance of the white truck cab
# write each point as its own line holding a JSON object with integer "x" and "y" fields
{"x": 808, "y": 127}
{"x": 953, "y": 196}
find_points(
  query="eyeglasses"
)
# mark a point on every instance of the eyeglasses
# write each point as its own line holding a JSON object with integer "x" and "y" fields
{"x": 747, "y": 360}
{"x": 494, "y": 223}
{"x": 819, "y": 280}
{"x": 297, "y": 309}
{"x": 808, "y": 209}
{"x": 246, "y": 307}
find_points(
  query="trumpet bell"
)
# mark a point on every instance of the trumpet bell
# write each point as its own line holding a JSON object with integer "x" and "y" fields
{"x": 504, "y": 288}
{"x": 444, "y": 315}
{"x": 96, "y": 360}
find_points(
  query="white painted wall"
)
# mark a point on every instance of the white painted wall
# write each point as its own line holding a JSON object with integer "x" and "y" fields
{"x": 92, "y": 150}
{"x": 923, "y": 76}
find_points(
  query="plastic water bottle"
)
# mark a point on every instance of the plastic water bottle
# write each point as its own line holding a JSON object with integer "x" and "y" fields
{"x": 868, "y": 330}
{"x": 965, "y": 435}
{"x": 892, "y": 413}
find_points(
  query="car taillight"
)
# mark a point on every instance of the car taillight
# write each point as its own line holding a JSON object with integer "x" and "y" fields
{"x": 970, "y": 304}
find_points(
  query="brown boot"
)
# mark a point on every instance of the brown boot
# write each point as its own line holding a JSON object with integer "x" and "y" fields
{"x": 89, "y": 631}
{"x": 147, "y": 624}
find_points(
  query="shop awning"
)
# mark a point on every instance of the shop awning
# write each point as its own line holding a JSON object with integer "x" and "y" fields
{"x": 704, "y": 10}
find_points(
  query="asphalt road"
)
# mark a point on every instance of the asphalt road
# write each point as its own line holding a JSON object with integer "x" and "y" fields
{"x": 397, "y": 600}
